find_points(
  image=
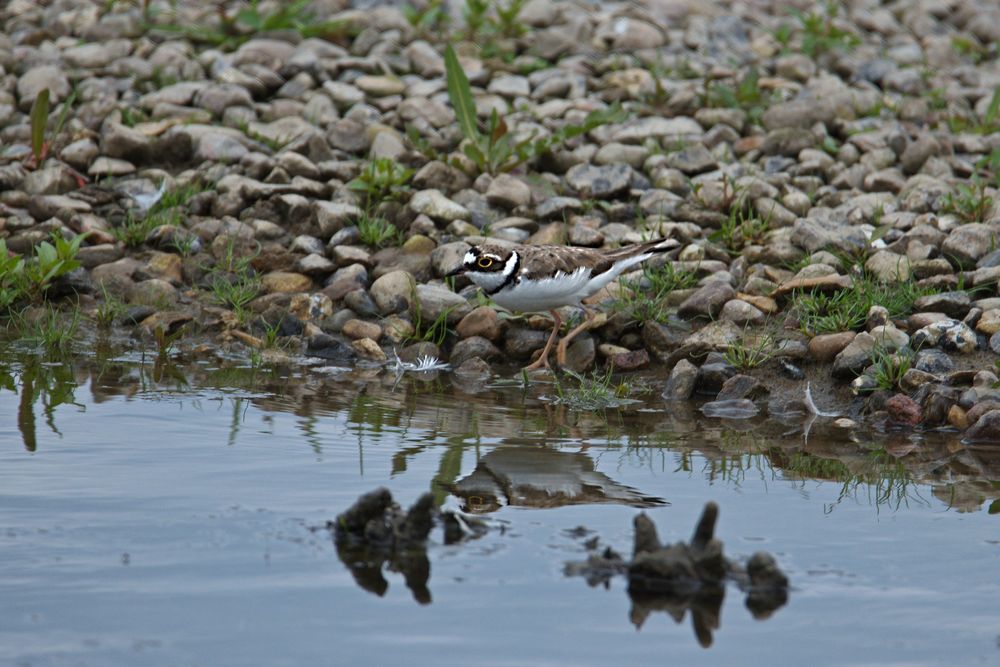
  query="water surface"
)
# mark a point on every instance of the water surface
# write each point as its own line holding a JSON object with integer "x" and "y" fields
{"x": 172, "y": 514}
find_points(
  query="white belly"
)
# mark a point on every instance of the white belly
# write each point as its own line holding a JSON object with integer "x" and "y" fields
{"x": 547, "y": 294}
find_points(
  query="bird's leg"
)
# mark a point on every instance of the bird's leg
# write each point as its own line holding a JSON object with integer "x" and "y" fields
{"x": 564, "y": 343}
{"x": 543, "y": 361}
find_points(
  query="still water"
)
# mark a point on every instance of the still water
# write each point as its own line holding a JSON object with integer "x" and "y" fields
{"x": 173, "y": 514}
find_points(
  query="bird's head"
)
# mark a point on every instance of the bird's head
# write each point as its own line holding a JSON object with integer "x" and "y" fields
{"x": 488, "y": 265}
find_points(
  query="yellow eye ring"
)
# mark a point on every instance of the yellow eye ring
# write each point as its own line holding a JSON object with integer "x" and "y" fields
{"x": 484, "y": 262}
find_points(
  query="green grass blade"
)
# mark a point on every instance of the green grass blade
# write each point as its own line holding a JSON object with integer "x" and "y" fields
{"x": 460, "y": 94}
{"x": 39, "y": 119}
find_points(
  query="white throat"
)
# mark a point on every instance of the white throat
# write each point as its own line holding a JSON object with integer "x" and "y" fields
{"x": 492, "y": 280}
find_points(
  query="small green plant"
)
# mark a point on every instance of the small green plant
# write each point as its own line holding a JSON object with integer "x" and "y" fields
{"x": 431, "y": 18}
{"x": 109, "y": 309}
{"x": 136, "y": 228}
{"x": 233, "y": 30}
{"x": 165, "y": 341}
{"x": 823, "y": 312}
{"x": 235, "y": 290}
{"x": 969, "y": 201}
{"x": 969, "y": 47}
{"x": 507, "y": 23}
{"x": 990, "y": 124}
{"x": 597, "y": 392}
{"x": 819, "y": 33}
{"x": 751, "y": 351}
{"x": 888, "y": 368}
{"x": 740, "y": 229}
{"x": 51, "y": 330}
{"x": 271, "y": 331}
{"x": 435, "y": 331}
{"x": 168, "y": 210}
{"x": 496, "y": 150}
{"x": 39, "y": 115}
{"x": 475, "y": 13}
{"x": 274, "y": 143}
{"x": 377, "y": 232}
{"x": 39, "y": 119}
{"x": 27, "y": 279}
{"x": 382, "y": 178}
{"x": 644, "y": 300}
{"x": 233, "y": 282}
{"x": 746, "y": 95}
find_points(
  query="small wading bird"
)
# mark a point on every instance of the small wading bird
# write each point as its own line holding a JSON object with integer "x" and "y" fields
{"x": 546, "y": 277}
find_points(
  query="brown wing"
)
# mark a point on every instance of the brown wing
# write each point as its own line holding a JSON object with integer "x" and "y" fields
{"x": 542, "y": 260}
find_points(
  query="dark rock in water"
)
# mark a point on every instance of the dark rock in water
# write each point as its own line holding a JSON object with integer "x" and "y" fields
{"x": 684, "y": 577}
{"x": 75, "y": 282}
{"x": 582, "y": 354}
{"x": 738, "y": 408}
{"x": 279, "y": 320}
{"x": 375, "y": 532}
{"x": 711, "y": 377}
{"x": 680, "y": 385}
{"x": 768, "y": 588}
{"x": 741, "y": 386}
{"x": 933, "y": 361}
{"x": 628, "y": 361}
{"x": 327, "y": 347}
{"x": 474, "y": 347}
{"x": 936, "y": 402}
{"x": 903, "y": 410}
{"x": 136, "y": 314}
{"x": 521, "y": 342}
{"x": 987, "y": 429}
{"x": 981, "y": 408}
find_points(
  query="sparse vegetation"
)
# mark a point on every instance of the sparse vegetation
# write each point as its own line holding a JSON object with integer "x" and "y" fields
{"x": 823, "y": 312}
{"x": 381, "y": 179}
{"x": 25, "y": 280}
{"x": 599, "y": 391}
{"x": 376, "y": 231}
{"x": 49, "y": 328}
{"x": 753, "y": 350}
{"x": 741, "y": 228}
{"x": 168, "y": 210}
{"x": 231, "y": 30}
{"x": 970, "y": 201}
{"x": 497, "y": 150}
{"x": 888, "y": 368}
{"x": 746, "y": 94}
{"x": 817, "y": 31}
{"x": 645, "y": 299}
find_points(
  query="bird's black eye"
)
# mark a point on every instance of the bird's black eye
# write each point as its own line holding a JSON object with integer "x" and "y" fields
{"x": 484, "y": 262}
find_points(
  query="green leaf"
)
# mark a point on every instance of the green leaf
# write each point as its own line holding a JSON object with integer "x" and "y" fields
{"x": 46, "y": 254}
{"x": 39, "y": 118}
{"x": 992, "y": 110}
{"x": 460, "y": 94}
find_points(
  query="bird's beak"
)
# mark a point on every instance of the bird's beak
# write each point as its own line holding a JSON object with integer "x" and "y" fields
{"x": 458, "y": 270}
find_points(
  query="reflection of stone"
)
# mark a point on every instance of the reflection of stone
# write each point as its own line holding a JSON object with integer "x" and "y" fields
{"x": 375, "y": 532}
{"x": 541, "y": 477}
{"x": 687, "y": 576}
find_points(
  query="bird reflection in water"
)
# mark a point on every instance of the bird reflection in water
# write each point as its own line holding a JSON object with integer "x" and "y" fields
{"x": 534, "y": 476}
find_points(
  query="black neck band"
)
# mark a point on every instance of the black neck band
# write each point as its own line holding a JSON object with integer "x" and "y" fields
{"x": 510, "y": 277}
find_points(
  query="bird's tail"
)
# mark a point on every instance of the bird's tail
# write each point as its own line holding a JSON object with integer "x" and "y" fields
{"x": 648, "y": 248}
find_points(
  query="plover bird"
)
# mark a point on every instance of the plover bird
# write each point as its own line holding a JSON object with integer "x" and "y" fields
{"x": 537, "y": 278}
